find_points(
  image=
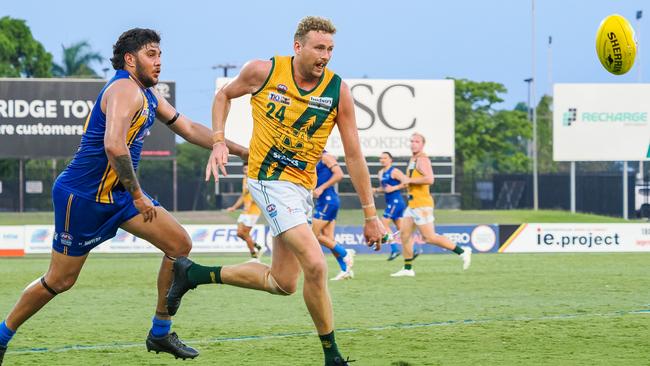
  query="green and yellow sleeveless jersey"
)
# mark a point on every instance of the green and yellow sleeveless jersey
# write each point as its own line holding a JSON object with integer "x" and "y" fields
{"x": 291, "y": 125}
{"x": 418, "y": 194}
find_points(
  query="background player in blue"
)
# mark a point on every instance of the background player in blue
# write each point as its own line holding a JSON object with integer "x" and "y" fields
{"x": 327, "y": 205}
{"x": 99, "y": 192}
{"x": 391, "y": 181}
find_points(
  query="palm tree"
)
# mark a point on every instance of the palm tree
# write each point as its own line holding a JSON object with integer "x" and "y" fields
{"x": 76, "y": 61}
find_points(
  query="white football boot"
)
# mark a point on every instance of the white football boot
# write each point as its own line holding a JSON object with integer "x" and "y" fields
{"x": 466, "y": 257}
{"x": 404, "y": 273}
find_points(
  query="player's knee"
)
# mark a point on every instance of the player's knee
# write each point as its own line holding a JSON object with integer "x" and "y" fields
{"x": 59, "y": 284}
{"x": 241, "y": 234}
{"x": 181, "y": 247}
{"x": 279, "y": 286}
{"x": 321, "y": 238}
{"x": 316, "y": 270}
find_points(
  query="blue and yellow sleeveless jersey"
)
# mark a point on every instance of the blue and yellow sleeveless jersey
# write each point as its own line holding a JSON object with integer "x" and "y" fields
{"x": 90, "y": 175}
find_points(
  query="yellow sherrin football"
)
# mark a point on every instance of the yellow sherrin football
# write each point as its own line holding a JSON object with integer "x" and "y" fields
{"x": 615, "y": 44}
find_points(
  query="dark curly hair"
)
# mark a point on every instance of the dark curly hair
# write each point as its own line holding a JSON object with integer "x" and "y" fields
{"x": 132, "y": 41}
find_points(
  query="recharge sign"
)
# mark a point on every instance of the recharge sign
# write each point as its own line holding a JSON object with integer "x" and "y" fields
{"x": 601, "y": 122}
{"x": 482, "y": 238}
{"x": 544, "y": 238}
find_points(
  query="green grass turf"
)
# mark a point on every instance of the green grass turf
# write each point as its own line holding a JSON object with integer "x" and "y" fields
{"x": 354, "y": 217}
{"x": 507, "y": 309}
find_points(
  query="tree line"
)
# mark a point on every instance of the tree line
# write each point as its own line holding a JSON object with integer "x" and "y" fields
{"x": 489, "y": 139}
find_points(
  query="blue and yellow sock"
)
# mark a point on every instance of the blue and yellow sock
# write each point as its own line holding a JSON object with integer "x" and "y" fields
{"x": 340, "y": 251}
{"x": 339, "y": 259}
{"x": 160, "y": 327}
{"x": 5, "y": 334}
{"x": 394, "y": 248}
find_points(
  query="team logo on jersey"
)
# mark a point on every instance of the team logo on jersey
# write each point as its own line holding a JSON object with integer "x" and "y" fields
{"x": 279, "y": 98}
{"x": 282, "y": 88}
{"x": 292, "y": 139}
{"x": 322, "y": 103}
{"x": 272, "y": 210}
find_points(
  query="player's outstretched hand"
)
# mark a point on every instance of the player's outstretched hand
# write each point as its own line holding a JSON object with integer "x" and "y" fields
{"x": 217, "y": 161}
{"x": 374, "y": 232}
{"x": 146, "y": 208}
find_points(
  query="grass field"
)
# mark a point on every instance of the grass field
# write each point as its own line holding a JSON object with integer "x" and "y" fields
{"x": 508, "y": 309}
{"x": 354, "y": 217}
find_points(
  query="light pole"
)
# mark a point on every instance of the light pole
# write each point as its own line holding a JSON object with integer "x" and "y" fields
{"x": 225, "y": 68}
{"x": 534, "y": 112}
{"x": 549, "y": 65}
{"x": 528, "y": 81}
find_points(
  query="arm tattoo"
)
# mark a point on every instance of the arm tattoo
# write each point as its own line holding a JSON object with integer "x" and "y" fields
{"x": 125, "y": 172}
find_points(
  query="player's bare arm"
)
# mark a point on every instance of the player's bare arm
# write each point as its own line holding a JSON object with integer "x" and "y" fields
{"x": 337, "y": 174}
{"x": 237, "y": 204}
{"x": 423, "y": 165}
{"x": 403, "y": 179}
{"x": 120, "y": 103}
{"x": 191, "y": 131}
{"x": 373, "y": 229}
{"x": 380, "y": 188}
{"x": 251, "y": 78}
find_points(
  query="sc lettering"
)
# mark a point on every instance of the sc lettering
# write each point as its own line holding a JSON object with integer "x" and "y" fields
{"x": 380, "y": 106}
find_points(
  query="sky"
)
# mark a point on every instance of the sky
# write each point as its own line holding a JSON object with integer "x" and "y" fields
{"x": 428, "y": 39}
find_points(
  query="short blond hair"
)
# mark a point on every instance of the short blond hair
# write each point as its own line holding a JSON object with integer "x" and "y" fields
{"x": 424, "y": 140}
{"x": 313, "y": 23}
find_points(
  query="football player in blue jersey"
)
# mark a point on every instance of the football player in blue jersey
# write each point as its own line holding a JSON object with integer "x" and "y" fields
{"x": 99, "y": 191}
{"x": 391, "y": 181}
{"x": 328, "y": 173}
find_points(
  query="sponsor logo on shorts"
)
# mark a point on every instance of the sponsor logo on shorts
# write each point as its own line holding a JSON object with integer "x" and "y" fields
{"x": 92, "y": 241}
{"x": 272, "y": 210}
{"x": 66, "y": 238}
{"x": 293, "y": 211}
{"x": 282, "y": 99}
{"x": 322, "y": 103}
{"x": 282, "y": 88}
